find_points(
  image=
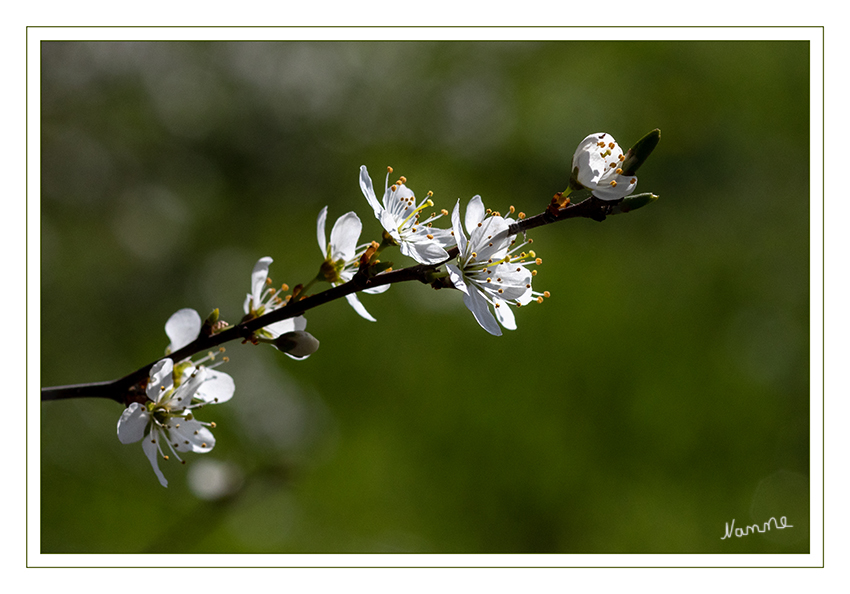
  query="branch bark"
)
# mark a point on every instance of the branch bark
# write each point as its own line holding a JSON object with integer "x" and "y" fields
{"x": 131, "y": 387}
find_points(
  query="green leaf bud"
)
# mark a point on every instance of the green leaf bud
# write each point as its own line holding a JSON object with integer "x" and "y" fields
{"x": 640, "y": 152}
{"x": 630, "y": 203}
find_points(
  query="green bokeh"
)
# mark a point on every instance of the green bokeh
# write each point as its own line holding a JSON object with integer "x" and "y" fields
{"x": 661, "y": 392}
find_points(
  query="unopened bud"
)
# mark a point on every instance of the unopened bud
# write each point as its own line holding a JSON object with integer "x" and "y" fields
{"x": 297, "y": 344}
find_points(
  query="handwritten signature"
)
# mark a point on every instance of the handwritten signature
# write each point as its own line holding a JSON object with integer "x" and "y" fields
{"x": 782, "y": 524}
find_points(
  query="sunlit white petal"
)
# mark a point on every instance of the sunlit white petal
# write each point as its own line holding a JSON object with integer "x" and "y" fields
{"x": 182, "y": 328}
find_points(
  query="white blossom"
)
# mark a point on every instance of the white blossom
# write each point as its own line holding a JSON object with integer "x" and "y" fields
{"x": 342, "y": 255}
{"x": 167, "y": 417}
{"x": 263, "y": 298}
{"x": 599, "y": 161}
{"x": 399, "y": 215}
{"x": 486, "y": 271}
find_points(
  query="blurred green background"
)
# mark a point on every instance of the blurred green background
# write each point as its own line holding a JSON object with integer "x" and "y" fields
{"x": 660, "y": 393}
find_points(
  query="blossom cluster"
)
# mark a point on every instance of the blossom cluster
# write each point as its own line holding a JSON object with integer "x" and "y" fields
{"x": 483, "y": 260}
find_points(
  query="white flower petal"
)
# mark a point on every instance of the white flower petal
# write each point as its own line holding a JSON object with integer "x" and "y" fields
{"x": 456, "y": 277}
{"x": 505, "y": 315}
{"x": 460, "y": 237}
{"x": 369, "y": 192}
{"x": 490, "y": 240}
{"x": 320, "y": 231}
{"x": 258, "y": 278}
{"x": 133, "y": 423}
{"x": 182, "y": 396}
{"x": 152, "y": 452}
{"x": 217, "y": 387}
{"x": 182, "y": 328}
{"x": 389, "y": 223}
{"x": 284, "y": 326}
{"x": 354, "y": 302}
{"x": 476, "y": 303}
{"x": 426, "y": 252}
{"x": 190, "y": 436}
{"x": 625, "y": 186}
{"x": 474, "y": 213}
{"x": 160, "y": 381}
{"x": 344, "y": 236}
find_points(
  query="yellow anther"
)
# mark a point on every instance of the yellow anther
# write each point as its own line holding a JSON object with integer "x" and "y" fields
{"x": 225, "y": 359}
{"x": 389, "y": 169}
{"x": 429, "y": 236}
{"x": 618, "y": 170}
{"x": 610, "y": 145}
{"x": 533, "y": 273}
{"x": 284, "y": 287}
{"x": 212, "y": 425}
{"x": 268, "y": 281}
{"x": 521, "y": 215}
{"x": 540, "y": 300}
{"x": 204, "y": 444}
{"x": 511, "y": 209}
{"x": 164, "y": 457}
{"x": 474, "y": 255}
{"x": 221, "y": 349}
{"x": 633, "y": 180}
{"x": 622, "y": 157}
{"x": 402, "y": 179}
{"x": 613, "y": 184}
{"x": 393, "y": 187}
{"x": 613, "y": 165}
{"x": 444, "y": 212}
{"x": 546, "y": 294}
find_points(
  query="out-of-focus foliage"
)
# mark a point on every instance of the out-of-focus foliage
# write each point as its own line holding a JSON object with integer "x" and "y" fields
{"x": 660, "y": 393}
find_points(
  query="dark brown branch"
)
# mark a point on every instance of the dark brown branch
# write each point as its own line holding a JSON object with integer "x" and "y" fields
{"x": 131, "y": 387}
